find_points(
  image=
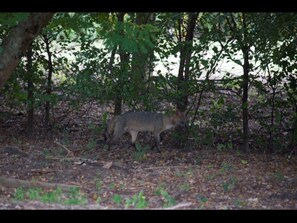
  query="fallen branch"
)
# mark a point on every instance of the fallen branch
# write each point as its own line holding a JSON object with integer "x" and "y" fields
{"x": 164, "y": 167}
{"x": 178, "y": 206}
{"x": 64, "y": 147}
{"x": 11, "y": 182}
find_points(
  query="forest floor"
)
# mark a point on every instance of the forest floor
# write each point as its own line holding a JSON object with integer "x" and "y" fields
{"x": 127, "y": 178}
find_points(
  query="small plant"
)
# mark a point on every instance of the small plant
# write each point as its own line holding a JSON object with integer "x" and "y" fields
{"x": 240, "y": 203}
{"x": 168, "y": 199}
{"x": 220, "y": 146}
{"x": 96, "y": 130}
{"x": 19, "y": 194}
{"x": 34, "y": 193}
{"x": 185, "y": 187}
{"x": 244, "y": 162}
{"x": 117, "y": 199}
{"x": 210, "y": 176}
{"x": 227, "y": 146}
{"x": 226, "y": 167}
{"x": 190, "y": 172}
{"x": 91, "y": 145}
{"x": 137, "y": 201}
{"x": 160, "y": 187}
{"x": 53, "y": 196}
{"x": 230, "y": 184}
{"x": 198, "y": 161}
{"x": 180, "y": 174}
{"x": 112, "y": 186}
{"x": 279, "y": 176}
{"x": 75, "y": 197}
{"x": 201, "y": 199}
{"x": 98, "y": 185}
{"x": 210, "y": 166}
{"x": 140, "y": 153}
{"x": 209, "y": 137}
{"x": 66, "y": 138}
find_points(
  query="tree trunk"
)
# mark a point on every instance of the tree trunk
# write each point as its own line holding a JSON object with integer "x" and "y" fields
{"x": 245, "y": 86}
{"x": 139, "y": 59}
{"x": 124, "y": 57}
{"x": 30, "y": 90}
{"x": 185, "y": 59}
{"x": 49, "y": 85}
{"x": 18, "y": 41}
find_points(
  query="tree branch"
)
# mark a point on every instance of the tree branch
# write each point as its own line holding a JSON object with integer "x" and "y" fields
{"x": 18, "y": 41}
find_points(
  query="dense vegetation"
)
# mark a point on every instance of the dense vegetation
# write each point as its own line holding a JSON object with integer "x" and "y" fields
{"x": 111, "y": 58}
{"x": 62, "y": 75}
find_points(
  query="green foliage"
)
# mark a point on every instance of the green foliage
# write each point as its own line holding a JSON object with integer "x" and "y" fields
{"x": 225, "y": 146}
{"x": 91, "y": 144}
{"x": 203, "y": 200}
{"x": 167, "y": 198}
{"x": 240, "y": 203}
{"x": 185, "y": 187}
{"x": 34, "y": 193}
{"x": 19, "y": 194}
{"x": 73, "y": 197}
{"x": 96, "y": 57}
{"x": 117, "y": 199}
{"x": 230, "y": 184}
{"x": 279, "y": 176}
{"x": 226, "y": 167}
{"x": 12, "y": 19}
{"x": 140, "y": 153}
{"x": 51, "y": 196}
{"x": 137, "y": 201}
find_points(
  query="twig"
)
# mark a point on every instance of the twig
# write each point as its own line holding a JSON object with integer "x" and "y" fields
{"x": 64, "y": 147}
{"x": 178, "y": 206}
{"x": 164, "y": 167}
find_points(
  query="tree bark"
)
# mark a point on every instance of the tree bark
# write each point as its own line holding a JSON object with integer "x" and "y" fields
{"x": 140, "y": 59}
{"x": 124, "y": 58}
{"x": 245, "y": 88}
{"x": 30, "y": 90}
{"x": 185, "y": 58}
{"x": 18, "y": 41}
{"x": 49, "y": 84}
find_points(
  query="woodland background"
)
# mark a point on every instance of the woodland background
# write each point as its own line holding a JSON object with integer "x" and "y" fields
{"x": 63, "y": 75}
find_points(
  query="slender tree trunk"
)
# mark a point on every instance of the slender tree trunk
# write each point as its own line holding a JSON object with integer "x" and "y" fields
{"x": 30, "y": 90}
{"x": 245, "y": 114}
{"x": 124, "y": 57}
{"x": 139, "y": 59}
{"x": 18, "y": 41}
{"x": 185, "y": 59}
{"x": 49, "y": 85}
{"x": 271, "y": 130}
{"x": 141, "y": 63}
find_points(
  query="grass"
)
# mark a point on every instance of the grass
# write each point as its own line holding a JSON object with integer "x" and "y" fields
{"x": 73, "y": 197}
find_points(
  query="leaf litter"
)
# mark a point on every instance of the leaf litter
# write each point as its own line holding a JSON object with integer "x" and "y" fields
{"x": 126, "y": 178}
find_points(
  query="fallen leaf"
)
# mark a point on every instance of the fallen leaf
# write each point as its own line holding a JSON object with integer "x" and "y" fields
{"x": 107, "y": 165}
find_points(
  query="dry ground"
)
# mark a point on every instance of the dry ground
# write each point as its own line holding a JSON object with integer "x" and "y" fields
{"x": 123, "y": 177}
